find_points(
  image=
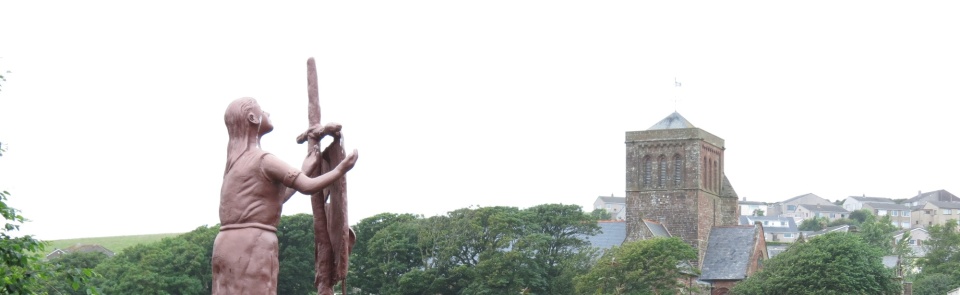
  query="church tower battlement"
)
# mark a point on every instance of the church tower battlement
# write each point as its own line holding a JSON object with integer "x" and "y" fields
{"x": 674, "y": 175}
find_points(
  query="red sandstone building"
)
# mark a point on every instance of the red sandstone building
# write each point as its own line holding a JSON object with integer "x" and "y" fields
{"x": 674, "y": 176}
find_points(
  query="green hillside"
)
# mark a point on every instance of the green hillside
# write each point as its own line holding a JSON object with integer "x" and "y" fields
{"x": 115, "y": 244}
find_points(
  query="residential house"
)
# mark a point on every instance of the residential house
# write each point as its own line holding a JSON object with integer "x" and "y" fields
{"x": 856, "y": 203}
{"x": 79, "y": 248}
{"x": 788, "y": 208}
{"x": 938, "y": 195}
{"x": 616, "y": 206}
{"x": 733, "y": 254}
{"x": 775, "y": 228}
{"x": 935, "y": 213}
{"x": 918, "y": 237}
{"x": 899, "y": 214}
{"x": 830, "y": 211}
{"x": 748, "y": 208}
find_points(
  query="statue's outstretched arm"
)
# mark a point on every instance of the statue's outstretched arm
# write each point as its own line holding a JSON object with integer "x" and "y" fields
{"x": 277, "y": 170}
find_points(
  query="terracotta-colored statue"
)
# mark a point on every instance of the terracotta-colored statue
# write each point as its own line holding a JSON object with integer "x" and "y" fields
{"x": 255, "y": 186}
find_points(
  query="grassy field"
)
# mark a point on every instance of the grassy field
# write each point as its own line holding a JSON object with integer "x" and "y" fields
{"x": 115, "y": 244}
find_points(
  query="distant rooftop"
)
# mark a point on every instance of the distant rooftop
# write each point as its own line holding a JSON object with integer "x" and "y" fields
{"x": 612, "y": 233}
{"x": 728, "y": 253}
{"x": 673, "y": 121}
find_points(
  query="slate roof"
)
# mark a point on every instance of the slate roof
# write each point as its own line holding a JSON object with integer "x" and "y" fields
{"x": 728, "y": 254}
{"x": 886, "y": 206}
{"x": 673, "y": 121}
{"x": 945, "y": 205}
{"x": 613, "y": 200}
{"x": 612, "y": 233}
{"x": 823, "y": 208}
{"x": 872, "y": 199}
{"x": 657, "y": 228}
{"x": 773, "y": 250}
{"x": 842, "y": 228}
{"x": 726, "y": 189}
{"x": 801, "y": 196}
{"x": 937, "y": 195}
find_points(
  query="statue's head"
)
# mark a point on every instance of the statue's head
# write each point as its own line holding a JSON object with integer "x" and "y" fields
{"x": 246, "y": 122}
{"x": 244, "y": 117}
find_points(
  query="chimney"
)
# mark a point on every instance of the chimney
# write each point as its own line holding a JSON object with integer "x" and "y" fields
{"x": 744, "y": 199}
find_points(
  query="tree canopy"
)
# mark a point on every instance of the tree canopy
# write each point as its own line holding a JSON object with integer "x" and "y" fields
{"x": 833, "y": 263}
{"x": 653, "y": 266}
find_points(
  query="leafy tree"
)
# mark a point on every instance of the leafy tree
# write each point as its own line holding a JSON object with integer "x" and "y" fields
{"x": 842, "y": 221}
{"x": 833, "y": 263}
{"x": 813, "y": 224}
{"x": 366, "y": 269}
{"x": 62, "y": 283}
{"x": 553, "y": 236}
{"x": 934, "y": 284}
{"x": 860, "y": 215}
{"x": 641, "y": 267}
{"x": 878, "y": 232}
{"x": 22, "y": 270}
{"x": 943, "y": 251}
{"x": 601, "y": 214}
{"x": 758, "y": 212}
{"x": 177, "y": 265}
{"x": 297, "y": 270}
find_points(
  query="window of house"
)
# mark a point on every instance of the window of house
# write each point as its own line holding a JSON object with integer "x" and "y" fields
{"x": 788, "y": 235}
{"x": 946, "y": 211}
{"x": 895, "y": 224}
{"x": 791, "y": 208}
{"x": 647, "y": 171}
{"x": 894, "y": 212}
{"x": 913, "y": 242}
{"x": 833, "y": 215}
{"x": 677, "y": 170}
{"x": 663, "y": 171}
{"x": 905, "y": 224}
{"x": 881, "y": 212}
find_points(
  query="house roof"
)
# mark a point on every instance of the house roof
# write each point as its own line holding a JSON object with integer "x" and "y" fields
{"x": 872, "y": 199}
{"x": 726, "y": 189}
{"x": 752, "y": 203}
{"x": 801, "y": 196}
{"x": 945, "y": 205}
{"x": 791, "y": 224}
{"x": 899, "y": 233}
{"x": 612, "y": 233}
{"x": 886, "y": 206}
{"x": 842, "y": 228}
{"x": 673, "y": 121}
{"x": 729, "y": 251}
{"x": 937, "y": 195}
{"x": 773, "y": 250}
{"x": 823, "y": 208}
{"x": 611, "y": 199}
{"x": 657, "y": 228}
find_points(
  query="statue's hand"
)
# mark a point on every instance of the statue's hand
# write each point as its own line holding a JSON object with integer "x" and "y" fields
{"x": 317, "y": 131}
{"x": 348, "y": 162}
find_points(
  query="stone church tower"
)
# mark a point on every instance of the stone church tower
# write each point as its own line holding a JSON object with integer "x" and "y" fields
{"x": 675, "y": 177}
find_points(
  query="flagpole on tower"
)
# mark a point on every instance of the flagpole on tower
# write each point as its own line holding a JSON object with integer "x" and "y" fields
{"x": 676, "y": 84}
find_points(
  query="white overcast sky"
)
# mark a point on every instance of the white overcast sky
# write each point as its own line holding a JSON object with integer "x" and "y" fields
{"x": 113, "y": 111}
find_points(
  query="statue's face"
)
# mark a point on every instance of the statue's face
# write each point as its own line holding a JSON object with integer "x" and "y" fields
{"x": 262, "y": 119}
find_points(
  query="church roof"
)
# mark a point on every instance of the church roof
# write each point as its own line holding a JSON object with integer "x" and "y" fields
{"x": 673, "y": 121}
{"x": 728, "y": 253}
{"x": 612, "y": 233}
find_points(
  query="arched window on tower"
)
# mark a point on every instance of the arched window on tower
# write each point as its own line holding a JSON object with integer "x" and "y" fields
{"x": 716, "y": 177}
{"x": 662, "y": 181}
{"x": 677, "y": 170}
{"x": 705, "y": 181}
{"x": 647, "y": 172}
